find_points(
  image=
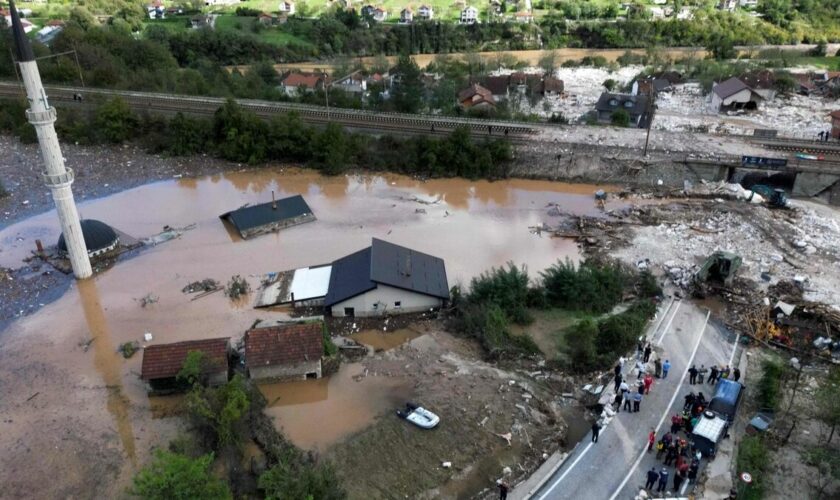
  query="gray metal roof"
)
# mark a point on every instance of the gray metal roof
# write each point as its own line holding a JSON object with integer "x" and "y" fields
{"x": 388, "y": 264}
{"x": 729, "y": 87}
{"x": 260, "y": 215}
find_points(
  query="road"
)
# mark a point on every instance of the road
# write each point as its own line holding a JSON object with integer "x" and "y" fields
{"x": 615, "y": 466}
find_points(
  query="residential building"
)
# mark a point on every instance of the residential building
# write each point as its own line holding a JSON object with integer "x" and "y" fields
{"x": 476, "y": 97}
{"x": 499, "y": 87}
{"x": 650, "y": 85}
{"x": 835, "y": 124}
{"x": 303, "y": 287}
{"x": 285, "y": 352}
{"x": 657, "y": 12}
{"x": 733, "y": 94}
{"x": 379, "y": 15}
{"x": 762, "y": 82}
{"x": 268, "y": 217}
{"x": 685, "y": 13}
{"x": 354, "y": 83}
{"x": 727, "y": 5}
{"x": 524, "y": 17}
{"x": 426, "y": 12}
{"x": 804, "y": 83}
{"x": 469, "y": 15}
{"x": 156, "y": 10}
{"x": 385, "y": 278}
{"x": 297, "y": 83}
{"x": 48, "y": 33}
{"x": 551, "y": 86}
{"x": 636, "y": 106}
{"x": 406, "y": 16}
{"x": 287, "y": 8}
{"x": 748, "y": 3}
{"x": 163, "y": 362}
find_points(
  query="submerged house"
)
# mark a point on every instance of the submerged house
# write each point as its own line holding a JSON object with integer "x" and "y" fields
{"x": 285, "y": 352}
{"x": 385, "y": 278}
{"x": 267, "y": 217}
{"x": 162, "y": 362}
{"x": 303, "y": 287}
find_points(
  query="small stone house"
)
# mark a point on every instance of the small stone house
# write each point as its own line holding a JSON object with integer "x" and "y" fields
{"x": 286, "y": 352}
{"x": 162, "y": 362}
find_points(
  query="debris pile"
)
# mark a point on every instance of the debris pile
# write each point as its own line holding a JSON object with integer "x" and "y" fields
{"x": 205, "y": 285}
{"x": 237, "y": 287}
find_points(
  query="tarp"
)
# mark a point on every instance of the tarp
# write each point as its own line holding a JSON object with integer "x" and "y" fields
{"x": 725, "y": 400}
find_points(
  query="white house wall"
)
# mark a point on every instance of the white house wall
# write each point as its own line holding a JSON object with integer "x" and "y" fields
{"x": 741, "y": 97}
{"x": 385, "y": 296}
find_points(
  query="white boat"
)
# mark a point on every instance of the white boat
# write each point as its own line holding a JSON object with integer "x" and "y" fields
{"x": 419, "y": 416}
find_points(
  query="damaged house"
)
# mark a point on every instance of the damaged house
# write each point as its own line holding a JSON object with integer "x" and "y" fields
{"x": 385, "y": 278}
{"x": 285, "y": 352}
{"x": 733, "y": 94}
{"x": 267, "y": 217}
{"x": 162, "y": 362}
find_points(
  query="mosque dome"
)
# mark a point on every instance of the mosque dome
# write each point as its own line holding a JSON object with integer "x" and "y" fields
{"x": 99, "y": 237}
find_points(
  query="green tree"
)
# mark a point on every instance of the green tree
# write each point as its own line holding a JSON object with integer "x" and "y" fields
{"x": 239, "y": 134}
{"x": 288, "y": 480}
{"x": 171, "y": 476}
{"x": 408, "y": 92}
{"x": 827, "y": 402}
{"x": 620, "y": 118}
{"x": 194, "y": 369}
{"x": 330, "y": 150}
{"x": 610, "y": 84}
{"x": 579, "y": 344}
{"x": 722, "y": 47}
{"x": 548, "y": 62}
{"x": 220, "y": 410}
{"x": 115, "y": 121}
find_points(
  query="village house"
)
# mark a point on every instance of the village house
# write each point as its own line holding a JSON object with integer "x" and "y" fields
{"x": 636, "y": 107}
{"x": 406, "y": 16}
{"x": 156, "y": 10}
{"x": 476, "y": 97}
{"x": 268, "y": 217}
{"x": 763, "y": 82}
{"x": 804, "y": 83}
{"x": 162, "y": 362}
{"x": 685, "y": 13}
{"x": 376, "y": 13}
{"x": 469, "y": 15}
{"x": 649, "y": 86}
{"x": 426, "y": 12}
{"x": 354, "y": 83}
{"x": 385, "y": 278}
{"x": 27, "y": 26}
{"x": 550, "y": 86}
{"x": 499, "y": 87}
{"x": 51, "y": 30}
{"x": 287, "y": 8}
{"x": 285, "y": 352}
{"x": 835, "y": 124}
{"x": 296, "y": 84}
{"x": 748, "y": 3}
{"x": 657, "y": 12}
{"x": 727, "y": 5}
{"x": 266, "y": 19}
{"x": 524, "y": 17}
{"x": 733, "y": 94}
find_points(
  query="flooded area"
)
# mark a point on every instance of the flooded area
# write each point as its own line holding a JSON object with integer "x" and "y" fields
{"x": 314, "y": 414}
{"x": 65, "y": 354}
{"x": 382, "y": 340}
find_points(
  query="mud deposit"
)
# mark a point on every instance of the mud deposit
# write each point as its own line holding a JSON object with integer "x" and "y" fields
{"x": 90, "y": 424}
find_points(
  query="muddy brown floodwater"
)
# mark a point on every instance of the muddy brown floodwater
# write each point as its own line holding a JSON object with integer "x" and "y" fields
{"x": 76, "y": 421}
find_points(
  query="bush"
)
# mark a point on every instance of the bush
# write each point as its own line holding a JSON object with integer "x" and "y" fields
{"x": 218, "y": 412}
{"x": 753, "y": 457}
{"x": 590, "y": 287}
{"x": 769, "y": 392}
{"x": 610, "y": 84}
{"x": 488, "y": 323}
{"x": 171, "y": 475}
{"x": 579, "y": 345}
{"x": 506, "y": 288}
{"x": 620, "y": 118}
{"x": 115, "y": 121}
{"x": 647, "y": 285}
{"x": 293, "y": 480}
{"x": 330, "y": 349}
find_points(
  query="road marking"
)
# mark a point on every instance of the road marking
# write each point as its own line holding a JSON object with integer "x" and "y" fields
{"x": 664, "y": 315}
{"x": 734, "y": 348}
{"x": 667, "y": 410}
{"x": 659, "y": 342}
{"x": 684, "y": 486}
{"x": 563, "y": 476}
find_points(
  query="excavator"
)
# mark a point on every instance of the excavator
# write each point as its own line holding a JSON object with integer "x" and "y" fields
{"x": 776, "y": 198}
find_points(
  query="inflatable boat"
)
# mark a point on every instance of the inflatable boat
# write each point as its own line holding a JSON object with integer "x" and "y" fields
{"x": 419, "y": 416}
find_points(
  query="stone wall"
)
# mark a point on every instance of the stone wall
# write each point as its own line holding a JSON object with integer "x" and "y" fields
{"x": 296, "y": 371}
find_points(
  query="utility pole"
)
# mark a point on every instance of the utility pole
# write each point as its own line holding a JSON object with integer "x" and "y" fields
{"x": 650, "y": 115}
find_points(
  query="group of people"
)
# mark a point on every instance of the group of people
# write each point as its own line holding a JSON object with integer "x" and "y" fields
{"x": 677, "y": 451}
{"x": 697, "y": 375}
{"x": 825, "y": 135}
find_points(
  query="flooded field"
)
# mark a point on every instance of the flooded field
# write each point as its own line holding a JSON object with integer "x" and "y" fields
{"x": 65, "y": 354}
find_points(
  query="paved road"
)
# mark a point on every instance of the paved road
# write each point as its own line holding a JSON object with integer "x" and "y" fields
{"x": 614, "y": 468}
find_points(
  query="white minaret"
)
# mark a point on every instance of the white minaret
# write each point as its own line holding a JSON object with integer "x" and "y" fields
{"x": 57, "y": 177}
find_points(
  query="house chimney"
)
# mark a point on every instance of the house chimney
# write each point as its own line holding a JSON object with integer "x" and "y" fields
{"x": 273, "y": 201}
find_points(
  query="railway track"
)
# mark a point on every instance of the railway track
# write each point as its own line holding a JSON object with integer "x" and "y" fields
{"x": 801, "y": 146}
{"x": 351, "y": 118}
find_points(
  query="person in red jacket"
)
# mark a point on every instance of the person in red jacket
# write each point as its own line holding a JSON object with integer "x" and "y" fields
{"x": 651, "y": 440}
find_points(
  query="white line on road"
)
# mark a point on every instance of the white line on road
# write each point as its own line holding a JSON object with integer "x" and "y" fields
{"x": 563, "y": 476}
{"x": 664, "y": 315}
{"x": 734, "y": 348}
{"x": 667, "y": 410}
{"x": 659, "y": 342}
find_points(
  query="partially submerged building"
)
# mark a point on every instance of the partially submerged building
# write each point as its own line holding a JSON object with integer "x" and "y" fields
{"x": 285, "y": 352}
{"x": 733, "y": 94}
{"x": 304, "y": 287}
{"x": 385, "y": 278}
{"x": 100, "y": 238}
{"x": 162, "y": 362}
{"x": 267, "y": 217}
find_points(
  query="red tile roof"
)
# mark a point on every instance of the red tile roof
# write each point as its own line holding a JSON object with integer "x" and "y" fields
{"x": 835, "y": 114}
{"x": 166, "y": 360}
{"x": 283, "y": 344}
{"x": 308, "y": 80}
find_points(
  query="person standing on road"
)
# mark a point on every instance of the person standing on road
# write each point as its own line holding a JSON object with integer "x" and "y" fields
{"x": 648, "y": 381}
{"x": 676, "y": 423}
{"x": 640, "y": 369}
{"x": 651, "y": 440}
{"x": 713, "y": 375}
{"x": 666, "y": 367}
{"x": 689, "y": 401}
{"x": 692, "y": 375}
{"x": 624, "y": 387}
{"x": 725, "y": 372}
{"x": 677, "y": 481}
{"x": 617, "y": 369}
{"x": 648, "y": 350}
{"x": 663, "y": 480}
{"x": 701, "y": 373}
{"x": 596, "y": 429}
{"x": 671, "y": 453}
{"x": 657, "y": 364}
{"x": 637, "y": 400}
{"x": 503, "y": 490}
{"x": 692, "y": 471}
{"x": 628, "y": 400}
{"x": 652, "y": 478}
{"x": 736, "y": 374}
{"x": 618, "y": 380}
{"x": 640, "y": 348}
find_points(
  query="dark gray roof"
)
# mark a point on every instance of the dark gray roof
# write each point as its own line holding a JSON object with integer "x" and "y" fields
{"x": 97, "y": 235}
{"x": 633, "y": 104}
{"x": 260, "y": 215}
{"x": 660, "y": 84}
{"x": 23, "y": 48}
{"x": 729, "y": 87}
{"x": 388, "y": 264}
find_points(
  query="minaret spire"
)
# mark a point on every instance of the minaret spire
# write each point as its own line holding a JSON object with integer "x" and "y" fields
{"x": 56, "y": 176}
